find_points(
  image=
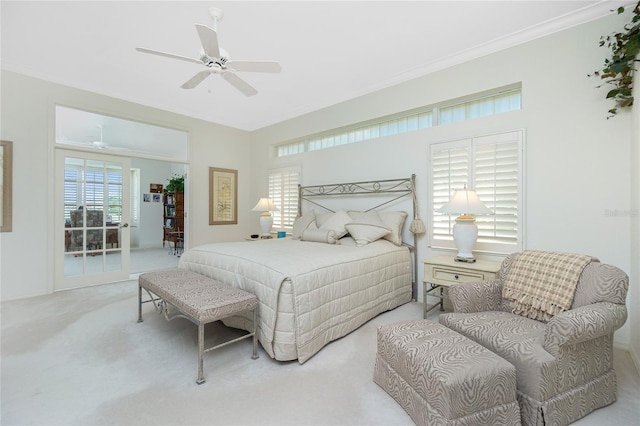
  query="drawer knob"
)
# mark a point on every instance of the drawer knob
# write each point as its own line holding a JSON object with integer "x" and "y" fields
{"x": 456, "y": 276}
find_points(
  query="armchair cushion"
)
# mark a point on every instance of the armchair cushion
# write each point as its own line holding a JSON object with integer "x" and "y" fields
{"x": 513, "y": 337}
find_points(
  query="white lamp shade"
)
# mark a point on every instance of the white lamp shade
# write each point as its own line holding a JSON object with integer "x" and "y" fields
{"x": 265, "y": 205}
{"x": 465, "y": 202}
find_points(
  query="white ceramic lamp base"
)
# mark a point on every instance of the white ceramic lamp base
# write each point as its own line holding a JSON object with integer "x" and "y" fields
{"x": 266, "y": 222}
{"x": 465, "y": 234}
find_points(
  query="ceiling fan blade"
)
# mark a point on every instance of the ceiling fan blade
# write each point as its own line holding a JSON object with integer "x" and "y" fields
{"x": 209, "y": 40}
{"x": 168, "y": 55}
{"x": 196, "y": 79}
{"x": 255, "y": 66}
{"x": 239, "y": 84}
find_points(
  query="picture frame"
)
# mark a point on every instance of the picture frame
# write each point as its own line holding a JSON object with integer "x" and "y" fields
{"x": 155, "y": 188}
{"x": 223, "y": 196}
{"x": 157, "y": 198}
{"x": 168, "y": 223}
{"x": 146, "y": 198}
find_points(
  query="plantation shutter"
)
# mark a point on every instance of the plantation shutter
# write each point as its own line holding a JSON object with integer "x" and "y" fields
{"x": 135, "y": 197}
{"x": 492, "y": 165}
{"x": 497, "y": 185}
{"x": 450, "y": 171}
{"x": 283, "y": 190}
{"x": 71, "y": 191}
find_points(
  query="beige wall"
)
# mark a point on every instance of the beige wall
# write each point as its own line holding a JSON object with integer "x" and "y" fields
{"x": 26, "y": 268}
{"x": 577, "y": 161}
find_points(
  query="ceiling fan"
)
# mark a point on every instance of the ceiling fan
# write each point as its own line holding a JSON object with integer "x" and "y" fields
{"x": 217, "y": 60}
{"x": 101, "y": 144}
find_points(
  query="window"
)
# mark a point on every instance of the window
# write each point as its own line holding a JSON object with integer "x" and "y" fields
{"x": 85, "y": 185}
{"x": 493, "y": 166}
{"x": 283, "y": 190}
{"x": 497, "y": 101}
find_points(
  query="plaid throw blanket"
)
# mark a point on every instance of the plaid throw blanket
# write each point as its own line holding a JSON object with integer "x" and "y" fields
{"x": 541, "y": 284}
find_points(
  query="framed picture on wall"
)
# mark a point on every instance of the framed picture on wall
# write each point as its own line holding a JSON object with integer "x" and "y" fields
{"x": 223, "y": 196}
{"x": 155, "y": 188}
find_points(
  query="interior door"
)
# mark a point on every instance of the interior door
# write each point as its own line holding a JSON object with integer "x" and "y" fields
{"x": 92, "y": 198}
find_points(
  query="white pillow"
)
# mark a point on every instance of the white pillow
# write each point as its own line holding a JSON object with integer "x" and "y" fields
{"x": 301, "y": 223}
{"x": 337, "y": 222}
{"x": 319, "y": 235}
{"x": 392, "y": 220}
{"x": 321, "y": 218}
{"x": 365, "y": 233}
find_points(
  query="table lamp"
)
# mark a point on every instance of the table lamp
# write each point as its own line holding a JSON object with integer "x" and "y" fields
{"x": 466, "y": 203}
{"x": 266, "y": 206}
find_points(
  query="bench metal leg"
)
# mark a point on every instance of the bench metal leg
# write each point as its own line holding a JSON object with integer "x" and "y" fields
{"x": 200, "y": 379}
{"x": 139, "y": 303}
{"x": 255, "y": 333}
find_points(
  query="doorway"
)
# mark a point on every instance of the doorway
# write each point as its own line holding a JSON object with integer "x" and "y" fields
{"x": 108, "y": 236}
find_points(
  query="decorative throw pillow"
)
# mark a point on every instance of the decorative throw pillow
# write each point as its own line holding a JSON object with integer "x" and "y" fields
{"x": 322, "y": 217}
{"x": 337, "y": 222}
{"x": 301, "y": 223}
{"x": 365, "y": 233}
{"x": 319, "y": 235}
{"x": 392, "y": 220}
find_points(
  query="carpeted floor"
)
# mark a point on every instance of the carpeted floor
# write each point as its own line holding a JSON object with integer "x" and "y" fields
{"x": 80, "y": 358}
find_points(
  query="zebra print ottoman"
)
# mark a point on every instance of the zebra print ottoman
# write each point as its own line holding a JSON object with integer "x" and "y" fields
{"x": 440, "y": 377}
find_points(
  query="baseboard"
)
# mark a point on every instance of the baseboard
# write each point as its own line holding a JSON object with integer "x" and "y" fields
{"x": 636, "y": 360}
{"x": 634, "y": 356}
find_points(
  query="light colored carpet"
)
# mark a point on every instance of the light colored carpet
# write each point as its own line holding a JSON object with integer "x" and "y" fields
{"x": 80, "y": 358}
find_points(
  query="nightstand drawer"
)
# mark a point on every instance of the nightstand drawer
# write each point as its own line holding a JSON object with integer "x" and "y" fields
{"x": 456, "y": 276}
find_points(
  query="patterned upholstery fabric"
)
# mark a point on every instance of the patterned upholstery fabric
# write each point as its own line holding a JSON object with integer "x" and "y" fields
{"x": 94, "y": 240}
{"x": 204, "y": 299}
{"x": 442, "y": 378}
{"x": 564, "y": 366}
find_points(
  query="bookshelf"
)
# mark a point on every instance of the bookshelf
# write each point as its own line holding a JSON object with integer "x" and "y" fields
{"x": 173, "y": 217}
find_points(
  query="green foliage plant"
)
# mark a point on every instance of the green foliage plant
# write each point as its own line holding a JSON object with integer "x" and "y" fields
{"x": 618, "y": 70}
{"x": 176, "y": 184}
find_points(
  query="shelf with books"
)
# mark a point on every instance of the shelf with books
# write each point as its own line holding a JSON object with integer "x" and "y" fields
{"x": 173, "y": 216}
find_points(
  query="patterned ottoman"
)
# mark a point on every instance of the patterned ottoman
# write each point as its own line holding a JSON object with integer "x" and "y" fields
{"x": 199, "y": 299}
{"x": 440, "y": 377}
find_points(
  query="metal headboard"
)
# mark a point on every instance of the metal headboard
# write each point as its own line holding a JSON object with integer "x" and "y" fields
{"x": 392, "y": 190}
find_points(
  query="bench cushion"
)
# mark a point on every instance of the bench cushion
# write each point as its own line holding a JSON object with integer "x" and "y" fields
{"x": 200, "y": 297}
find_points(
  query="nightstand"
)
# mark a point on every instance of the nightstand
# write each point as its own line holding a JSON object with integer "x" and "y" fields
{"x": 442, "y": 271}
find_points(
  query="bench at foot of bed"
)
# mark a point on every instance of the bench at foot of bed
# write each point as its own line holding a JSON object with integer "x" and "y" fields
{"x": 199, "y": 299}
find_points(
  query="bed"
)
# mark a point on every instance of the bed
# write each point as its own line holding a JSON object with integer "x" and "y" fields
{"x": 337, "y": 270}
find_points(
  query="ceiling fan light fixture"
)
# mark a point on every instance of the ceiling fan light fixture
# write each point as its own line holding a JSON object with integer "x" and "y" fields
{"x": 217, "y": 60}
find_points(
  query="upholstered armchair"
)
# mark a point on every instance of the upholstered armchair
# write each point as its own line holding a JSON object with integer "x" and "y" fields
{"x": 94, "y": 239}
{"x": 564, "y": 366}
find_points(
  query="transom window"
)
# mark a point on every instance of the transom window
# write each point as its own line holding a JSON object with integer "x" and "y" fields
{"x": 495, "y": 102}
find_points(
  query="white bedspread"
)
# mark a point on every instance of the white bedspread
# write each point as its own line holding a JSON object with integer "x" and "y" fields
{"x": 333, "y": 289}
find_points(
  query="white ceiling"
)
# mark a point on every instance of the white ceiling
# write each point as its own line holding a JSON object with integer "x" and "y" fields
{"x": 329, "y": 51}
